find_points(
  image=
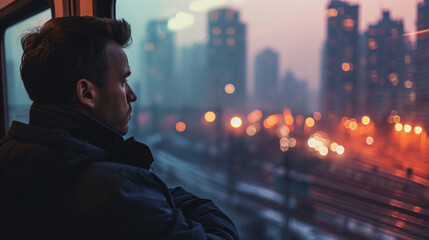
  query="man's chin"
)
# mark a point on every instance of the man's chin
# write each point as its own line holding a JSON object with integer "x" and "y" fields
{"x": 123, "y": 131}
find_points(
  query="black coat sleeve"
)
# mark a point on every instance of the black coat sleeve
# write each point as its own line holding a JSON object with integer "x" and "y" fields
{"x": 133, "y": 203}
{"x": 215, "y": 223}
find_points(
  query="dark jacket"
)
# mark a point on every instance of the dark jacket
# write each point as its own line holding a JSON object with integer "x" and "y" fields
{"x": 65, "y": 175}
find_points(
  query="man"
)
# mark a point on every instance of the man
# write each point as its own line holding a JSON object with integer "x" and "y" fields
{"x": 69, "y": 174}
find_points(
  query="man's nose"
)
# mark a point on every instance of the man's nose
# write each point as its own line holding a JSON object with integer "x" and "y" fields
{"x": 131, "y": 96}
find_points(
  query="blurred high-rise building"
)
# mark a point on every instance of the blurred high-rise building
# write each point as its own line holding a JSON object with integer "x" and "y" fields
{"x": 226, "y": 58}
{"x": 192, "y": 71}
{"x": 341, "y": 64}
{"x": 266, "y": 78}
{"x": 386, "y": 70}
{"x": 422, "y": 64}
{"x": 294, "y": 93}
{"x": 159, "y": 63}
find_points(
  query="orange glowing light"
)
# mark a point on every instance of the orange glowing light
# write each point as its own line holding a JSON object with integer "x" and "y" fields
{"x": 254, "y": 116}
{"x": 210, "y": 116}
{"x": 400, "y": 224}
{"x": 407, "y": 128}
{"x": 369, "y": 140}
{"x": 180, "y": 126}
{"x": 417, "y": 209}
{"x": 396, "y": 119}
{"x": 398, "y": 127}
{"x": 343, "y": 120}
{"x": 236, "y": 122}
{"x": 366, "y": 120}
{"x": 229, "y": 88}
{"x": 332, "y": 12}
{"x": 309, "y": 122}
{"x": 270, "y": 121}
{"x": 346, "y": 67}
{"x": 418, "y": 130}
{"x": 289, "y": 120}
{"x": 347, "y": 123}
{"x": 334, "y": 146}
{"x": 317, "y": 116}
{"x": 251, "y": 130}
{"x": 353, "y": 125}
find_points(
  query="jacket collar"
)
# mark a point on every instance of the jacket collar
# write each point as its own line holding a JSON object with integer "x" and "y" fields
{"x": 63, "y": 121}
{"x": 51, "y": 115}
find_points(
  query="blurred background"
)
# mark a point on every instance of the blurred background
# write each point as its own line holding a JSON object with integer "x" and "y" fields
{"x": 301, "y": 119}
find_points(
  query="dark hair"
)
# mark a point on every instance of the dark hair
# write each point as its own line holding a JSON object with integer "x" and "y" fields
{"x": 65, "y": 50}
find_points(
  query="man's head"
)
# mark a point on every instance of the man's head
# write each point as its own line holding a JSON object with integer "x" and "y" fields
{"x": 79, "y": 61}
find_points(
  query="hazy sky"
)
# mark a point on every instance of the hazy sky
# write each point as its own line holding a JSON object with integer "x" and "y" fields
{"x": 296, "y": 29}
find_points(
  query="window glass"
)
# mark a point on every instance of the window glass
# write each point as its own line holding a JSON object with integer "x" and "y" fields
{"x": 18, "y": 103}
{"x": 301, "y": 119}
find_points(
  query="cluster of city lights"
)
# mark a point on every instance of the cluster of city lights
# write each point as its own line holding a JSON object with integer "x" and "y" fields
{"x": 408, "y": 128}
{"x": 352, "y": 123}
{"x": 394, "y": 118}
{"x": 286, "y": 141}
{"x": 323, "y": 145}
{"x": 256, "y": 121}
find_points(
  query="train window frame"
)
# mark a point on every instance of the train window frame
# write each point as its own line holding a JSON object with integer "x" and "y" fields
{"x": 10, "y": 15}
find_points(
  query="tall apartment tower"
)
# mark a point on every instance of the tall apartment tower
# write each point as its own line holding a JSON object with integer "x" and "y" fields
{"x": 341, "y": 62}
{"x": 386, "y": 70}
{"x": 159, "y": 63}
{"x": 422, "y": 65}
{"x": 226, "y": 63}
{"x": 266, "y": 78}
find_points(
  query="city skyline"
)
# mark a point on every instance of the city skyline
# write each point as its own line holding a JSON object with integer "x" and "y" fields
{"x": 283, "y": 36}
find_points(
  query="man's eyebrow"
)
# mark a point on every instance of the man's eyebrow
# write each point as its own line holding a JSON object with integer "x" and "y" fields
{"x": 126, "y": 74}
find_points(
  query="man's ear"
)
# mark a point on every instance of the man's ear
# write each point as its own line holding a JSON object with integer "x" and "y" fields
{"x": 86, "y": 93}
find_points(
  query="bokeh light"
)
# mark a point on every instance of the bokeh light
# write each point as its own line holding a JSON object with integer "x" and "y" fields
{"x": 180, "y": 126}
{"x": 340, "y": 150}
{"x": 369, "y": 140}
{"x": 271, "y": 120}
{"x": 229, "y": 88}
{"x": 398, "y": 127}
{"x": 396, "y": 119}
{"x": 353, "y": 125}
{"x": 317, "y": 116}
{"x": 236, "y": 122}
{"x": 346, "y": 67}
{"x": 323, "y": 151}
{"x": 312, "y": 142}
{"x": 210, "y": 116}
{"x": 418, "y": 130}
{"x": 254, "y": 116}
{"x": 366, "y": 120}
{"x": 334, "y": 146}
{"x": 251, "y": 130}
{"x": 289, "y": 120}
{"x": 407, "y": 128}
{"x": 309, "y": 122}
{"x": 292, "y": 142}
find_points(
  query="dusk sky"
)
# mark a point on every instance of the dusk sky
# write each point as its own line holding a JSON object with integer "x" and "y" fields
{"x": 296, "y": 29}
